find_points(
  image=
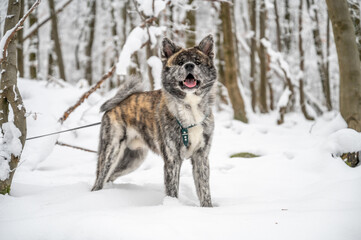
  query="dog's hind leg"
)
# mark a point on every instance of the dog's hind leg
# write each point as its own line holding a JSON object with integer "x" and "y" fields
{"x": 111, "y": 150}
{"x": 131, "y": 160}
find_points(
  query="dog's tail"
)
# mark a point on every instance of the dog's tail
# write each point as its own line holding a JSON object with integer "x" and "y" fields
{"x": 133, "y": 85}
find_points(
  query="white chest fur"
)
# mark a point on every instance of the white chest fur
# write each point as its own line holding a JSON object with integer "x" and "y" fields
{"x": 193, "y": 116}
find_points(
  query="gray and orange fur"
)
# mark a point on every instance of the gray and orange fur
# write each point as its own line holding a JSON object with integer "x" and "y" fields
{"x": 135, "y": 121}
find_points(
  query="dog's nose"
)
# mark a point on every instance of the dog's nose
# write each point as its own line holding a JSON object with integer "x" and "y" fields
{"x": 189, "y": 66}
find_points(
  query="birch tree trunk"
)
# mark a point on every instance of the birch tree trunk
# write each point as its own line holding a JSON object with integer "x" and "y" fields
{"x": 230, "y": 67}
{"x": 349, "y": 62}
{"x": 10, "y": 95}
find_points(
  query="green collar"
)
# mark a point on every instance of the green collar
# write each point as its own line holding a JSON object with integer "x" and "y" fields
{"x": 184, "y": 130}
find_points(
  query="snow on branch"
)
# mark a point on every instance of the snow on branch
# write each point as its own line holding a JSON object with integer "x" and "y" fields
{"x": 9, "y": 35}
{"x": 142, "y": 34}
{"x": 287, "y": 97}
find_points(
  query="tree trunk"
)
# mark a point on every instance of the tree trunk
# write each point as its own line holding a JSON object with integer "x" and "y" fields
{"x": 10, "y": 94}
{"x": 20, "y": 45}
{"x": 288, "y": 27}
{"x": 33, "y": 45}
{"x": 355, "y": 17}
{"x": 278, "y": 27}
{"x": 263, "y": 59}
{"x": 56, "y": 39}
{"x": 253, "y": 19}
{"x": 349, "y": 62}
{"x": 302, "y": 63}
{"x": 230, "y": 68}
{"x": 320, "y": 57}
{"x": 115, "y": 82}
{"x": 134, "y": 69}
{"x": 191, "y": 22}
{"x": 88, "y": 72}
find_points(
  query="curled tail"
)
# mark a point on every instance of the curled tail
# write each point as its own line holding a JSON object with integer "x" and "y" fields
{"x": 132, "y": 85}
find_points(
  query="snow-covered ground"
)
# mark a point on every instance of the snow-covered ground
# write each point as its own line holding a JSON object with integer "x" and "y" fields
{"x": 295, "y": 190}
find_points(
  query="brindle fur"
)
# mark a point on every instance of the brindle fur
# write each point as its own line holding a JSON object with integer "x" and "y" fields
{"x": 135, "y": 121}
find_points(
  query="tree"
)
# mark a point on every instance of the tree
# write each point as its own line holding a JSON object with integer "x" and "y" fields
{"x": 325, "y": 81}
{"x": 191, "y": 22}
{"x": 33, "y": 45}
{"x": 263, "y": 59}
{"x": 57, "y": 45}
{"x": 349, "y": 63}
{"x": 10, "y": 97}
{"x": 88, "y": 73}
{"x": 20, "y": 45}
{"x": 253, "y": 19}
{"x": 230, "y": 66}
{"x": 302, "y": 63}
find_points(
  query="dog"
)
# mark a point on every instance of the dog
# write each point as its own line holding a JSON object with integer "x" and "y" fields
{"x": 175, "y": 122}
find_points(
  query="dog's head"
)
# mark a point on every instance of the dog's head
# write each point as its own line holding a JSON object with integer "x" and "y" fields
{"x": 188, "y": 70}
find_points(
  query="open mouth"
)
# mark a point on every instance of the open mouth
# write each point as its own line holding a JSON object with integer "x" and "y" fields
{"x": 189, "y": 82}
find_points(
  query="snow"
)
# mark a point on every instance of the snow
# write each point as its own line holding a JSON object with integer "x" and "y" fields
{"x": 3, "y": 41}
{"x": 136, "y": 39}
{"x": 146, "y": 7}
{"x": 294, "y": 190}
{"x": 156, "y": 64}
{"x": 283, "y": 101}
{"x": 9, "y": 145}
{"x": 344, "y": 140}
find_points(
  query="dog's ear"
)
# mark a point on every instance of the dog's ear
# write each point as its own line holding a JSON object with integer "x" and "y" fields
{"x": 169, "y": 48}
{"x": 206, "y": 46}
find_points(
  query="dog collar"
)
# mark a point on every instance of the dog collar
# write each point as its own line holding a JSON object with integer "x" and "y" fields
{"x": 184, "y": 130}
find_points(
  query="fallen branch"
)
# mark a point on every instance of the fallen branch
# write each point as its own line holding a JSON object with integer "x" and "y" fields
{"x": 87, "y": 94}
{"x": 76, "y": 147}
{"x": 36, "y": 27}
{"x": 9, "y": 35}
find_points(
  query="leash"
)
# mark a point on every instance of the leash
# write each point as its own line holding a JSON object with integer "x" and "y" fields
{"x": 68, "y": 130}
{"x": 184, "y": 130}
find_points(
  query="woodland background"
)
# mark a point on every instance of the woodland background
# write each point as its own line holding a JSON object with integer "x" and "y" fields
{"x": 271, "y": 55}
{"x": 286, "y": 150}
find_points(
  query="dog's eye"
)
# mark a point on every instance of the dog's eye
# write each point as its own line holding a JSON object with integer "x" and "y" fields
{"x": 180, "y": 63}
{"x": 197, "y": 62}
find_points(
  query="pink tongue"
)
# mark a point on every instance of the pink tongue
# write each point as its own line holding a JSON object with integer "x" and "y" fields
{"x": 190, "y": 83}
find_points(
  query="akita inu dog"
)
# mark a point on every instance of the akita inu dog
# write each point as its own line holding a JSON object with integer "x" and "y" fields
{"x": 175, "y": 122}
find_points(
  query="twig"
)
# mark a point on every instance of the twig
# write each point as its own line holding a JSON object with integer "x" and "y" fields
{"x": 87, "y": 94}
{"x": 9, "y": 35}
{"x": 76, "y": 147}
{"x": 33, "y": 30}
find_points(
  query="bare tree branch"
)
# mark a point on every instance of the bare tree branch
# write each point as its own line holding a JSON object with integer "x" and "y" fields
{"x": 9, "y": 35}
{"x": 36, "y": 27}
{"x": 87, "y": 94}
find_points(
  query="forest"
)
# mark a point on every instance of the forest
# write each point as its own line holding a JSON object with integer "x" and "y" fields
{"x": 286, "y": 150}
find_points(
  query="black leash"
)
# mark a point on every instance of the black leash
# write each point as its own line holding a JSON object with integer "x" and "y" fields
{"x": 72, "y": 129}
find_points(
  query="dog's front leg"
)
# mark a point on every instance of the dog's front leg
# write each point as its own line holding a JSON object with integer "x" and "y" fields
{"x": 172, "y": 168}
{"x": 200, "y": 165}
